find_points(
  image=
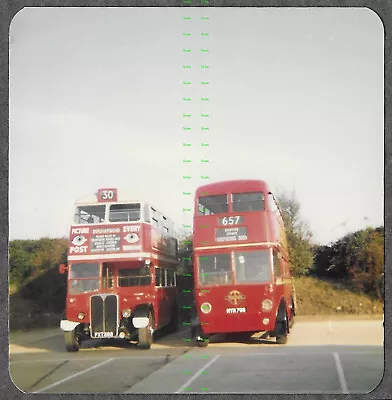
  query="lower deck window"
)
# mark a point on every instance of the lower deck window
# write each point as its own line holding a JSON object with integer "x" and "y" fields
{"x": 77, "y": 286}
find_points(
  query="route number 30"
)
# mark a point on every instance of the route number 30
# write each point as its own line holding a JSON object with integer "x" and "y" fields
{"x": 107, "y": 194}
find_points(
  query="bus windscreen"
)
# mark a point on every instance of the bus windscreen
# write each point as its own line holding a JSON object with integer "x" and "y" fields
{"x": 215, "y": 269}
{"x": 252, "y": 266}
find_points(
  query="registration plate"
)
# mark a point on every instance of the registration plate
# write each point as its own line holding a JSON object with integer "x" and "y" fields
{"x": 235, "y": 310}
{"x": 103, "y": 334}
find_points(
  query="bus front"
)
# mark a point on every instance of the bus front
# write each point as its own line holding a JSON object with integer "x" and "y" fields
{"x": 110, "y": 283}
{"x": 240, "y": 265}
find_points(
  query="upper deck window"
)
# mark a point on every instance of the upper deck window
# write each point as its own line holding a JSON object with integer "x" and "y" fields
{"x": 209, "y": 205}
{"x": 124, "y": 212}
{"x": 248, "y": 202}
{"x": 90, "y": 214}
{"x": 146, "y": 210}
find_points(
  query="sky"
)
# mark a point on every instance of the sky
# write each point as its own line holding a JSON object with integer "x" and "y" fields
{"x": 295, "y": 98}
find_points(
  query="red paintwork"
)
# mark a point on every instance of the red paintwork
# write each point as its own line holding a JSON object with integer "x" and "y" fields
{"x": 264, "y": 227}
{"x": 150, "y": 240}
{"x": 150, "y": 244}
{"x": 162, "y": 299}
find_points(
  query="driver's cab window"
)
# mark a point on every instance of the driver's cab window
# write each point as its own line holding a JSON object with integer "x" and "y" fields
{"x": 107, "y": 276}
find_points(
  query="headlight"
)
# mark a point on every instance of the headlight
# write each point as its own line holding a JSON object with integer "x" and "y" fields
{"x": 266, "y": 305}
{"x": 126, "y": 313}
{"x": 81, "y": 315}
{"x": 206, "y": 308}
{"x": 147, "y": 262}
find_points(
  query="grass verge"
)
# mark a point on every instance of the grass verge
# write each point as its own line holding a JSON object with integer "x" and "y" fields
{"x": 317, "y": 297}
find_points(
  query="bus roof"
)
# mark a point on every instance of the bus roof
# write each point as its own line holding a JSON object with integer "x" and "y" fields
{"x": 230, "y": 186}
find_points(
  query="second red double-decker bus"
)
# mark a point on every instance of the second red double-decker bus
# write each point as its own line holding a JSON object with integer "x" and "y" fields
{"x": 122, "y": 261}
{"x": 242, "y": 272}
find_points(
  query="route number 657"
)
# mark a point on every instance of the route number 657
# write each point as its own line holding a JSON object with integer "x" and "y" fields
{"x": 230, "y": 220}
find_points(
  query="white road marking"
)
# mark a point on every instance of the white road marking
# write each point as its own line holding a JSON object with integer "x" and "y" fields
{"x": 73, "y": 376}
{"x": 340, "y": 371}
{"x": 198, "y": 373}
{"x": 84, "y": 359}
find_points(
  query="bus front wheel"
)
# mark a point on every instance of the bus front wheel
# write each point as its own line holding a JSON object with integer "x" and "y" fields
{"x": 145, "y": 334}
{"x": 282, "y": 329}
{"x": 72, "y": 343}
{"x": 292, "y": 314}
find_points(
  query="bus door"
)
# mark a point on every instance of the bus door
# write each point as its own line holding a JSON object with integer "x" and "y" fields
{"x": 162, "y": 297}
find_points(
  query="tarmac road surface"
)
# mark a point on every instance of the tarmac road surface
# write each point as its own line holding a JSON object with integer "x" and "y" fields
{"x": 321, "y": 356}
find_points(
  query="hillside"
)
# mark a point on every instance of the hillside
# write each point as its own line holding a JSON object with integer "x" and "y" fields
{"x": 319, "y": 297}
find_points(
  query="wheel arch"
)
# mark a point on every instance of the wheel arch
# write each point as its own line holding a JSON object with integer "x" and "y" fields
{"x": 142, "y": 310}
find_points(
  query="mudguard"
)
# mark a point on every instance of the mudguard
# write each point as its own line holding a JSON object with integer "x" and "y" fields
{"x": 67, "y": 326}
{"x": 140, "y": 315}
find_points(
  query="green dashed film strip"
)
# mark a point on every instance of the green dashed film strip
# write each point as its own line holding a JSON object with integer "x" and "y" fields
{"x": 187, "y": 372}
{"x": 204, "y": 128}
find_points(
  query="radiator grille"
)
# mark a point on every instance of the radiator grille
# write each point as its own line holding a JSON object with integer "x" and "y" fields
{"x": 104, "y": 316}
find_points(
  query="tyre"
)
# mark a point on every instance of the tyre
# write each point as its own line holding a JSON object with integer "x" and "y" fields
{"x": 291, "y": 324}
{"x": 282, "y": 331}
{"x": 281, "y": 339}
{"x": 145, "y": 334}
{"x": 72, "y": 343}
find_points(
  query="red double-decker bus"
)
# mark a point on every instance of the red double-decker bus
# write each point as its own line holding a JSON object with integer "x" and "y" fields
{"x": 122, "y": 261}
{"x": 243, "y": 282}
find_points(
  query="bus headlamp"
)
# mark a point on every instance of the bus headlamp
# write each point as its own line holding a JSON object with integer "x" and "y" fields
{"x": 206, "y": 308}
{"x": 147, "y": 262}
{"x": 81, "y": 315}
{"x": 266, "y": 305}
{"x": 126, "y": 313}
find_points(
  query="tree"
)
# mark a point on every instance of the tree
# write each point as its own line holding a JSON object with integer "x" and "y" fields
{"x": 298, "y": 234}
{"x": 185, "y": 249}
{"x": 357, "y": 258}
